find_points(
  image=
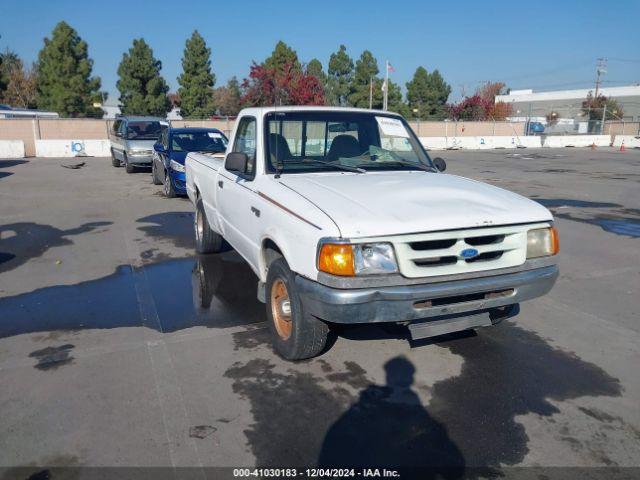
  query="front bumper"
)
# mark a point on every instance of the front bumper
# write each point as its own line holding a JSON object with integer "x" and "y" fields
{"x": 139, "y": 159}
{"x": 429, "y": 300}
{"x": 179, "y": 181}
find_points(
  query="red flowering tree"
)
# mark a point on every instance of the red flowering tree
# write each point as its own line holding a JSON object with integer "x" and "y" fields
{"x": 482, "y": 105}
{"x": 291, "y": 86}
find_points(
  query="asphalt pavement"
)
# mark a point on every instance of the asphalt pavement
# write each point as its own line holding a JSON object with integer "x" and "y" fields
{"x": 119, "y": 347}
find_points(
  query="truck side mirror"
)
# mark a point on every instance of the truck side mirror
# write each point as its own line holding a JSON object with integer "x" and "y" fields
{"x": 236, "y": 162}
{"x": 440, "y": 164}
{"x": 158, "y": 147}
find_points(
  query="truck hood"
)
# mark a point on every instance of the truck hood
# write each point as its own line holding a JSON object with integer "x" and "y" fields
{"x": 391, "y": 203}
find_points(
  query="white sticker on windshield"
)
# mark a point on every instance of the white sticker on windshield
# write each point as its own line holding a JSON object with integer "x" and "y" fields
{"x": 392, "y": 127}
{"x": 214, "y": 135}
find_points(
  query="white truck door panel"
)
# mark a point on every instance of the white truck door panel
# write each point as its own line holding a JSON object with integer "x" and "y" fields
{"x": 238, "y": 202}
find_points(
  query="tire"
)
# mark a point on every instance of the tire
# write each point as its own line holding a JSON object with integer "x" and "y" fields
{"x": 298, "y": 334}
{"x": 127, "y": 166}
{"x": 207, "y": 241}
{"x": 114, "y": 161}
{"x": 154, "y": 173}
{"x": 169, "y": 189}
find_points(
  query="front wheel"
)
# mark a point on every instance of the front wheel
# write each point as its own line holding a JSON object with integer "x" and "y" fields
{"x": 296, "y": 334}
{"x": 114, "y": 161}
{"x": 207, "y": 241}
{"x": 169, "y": 189}
{"x": 128, "y": 167}
{"x": 154, "y": 173}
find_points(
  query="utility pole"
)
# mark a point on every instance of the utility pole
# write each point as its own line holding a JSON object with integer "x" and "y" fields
{"x": 601, "y": 69}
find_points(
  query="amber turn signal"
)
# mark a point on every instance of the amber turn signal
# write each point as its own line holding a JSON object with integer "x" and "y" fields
{"x": 555, "y": 241}
{"x": 336, "y": 259}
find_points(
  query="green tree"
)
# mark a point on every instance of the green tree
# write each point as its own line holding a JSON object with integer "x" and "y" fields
{"x": 227, "y": 98}
{"x": 340, "y": 74}
{"x": 314, "y": 67}
{"x": 8, "y": 61}
{"x": 365, "y": 72}
{"x": 428, "y": 93}
{"x": 197, "y": 80}
{"x": 594, "y": 107}
{"x": 282, "y": 56}
{"x": 396, "y": 102}
{"x": 143, "y": 91}
{"x": 64, "y": 81}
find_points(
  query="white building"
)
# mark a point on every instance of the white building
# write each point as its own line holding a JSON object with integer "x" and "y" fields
{"x": 568, "y": 103}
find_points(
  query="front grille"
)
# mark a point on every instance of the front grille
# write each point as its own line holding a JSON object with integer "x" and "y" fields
{"x": 440, "y": 253}
{"x": 470, "y": 297}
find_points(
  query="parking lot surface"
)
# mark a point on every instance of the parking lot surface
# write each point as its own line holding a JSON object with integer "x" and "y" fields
{"x": 120, "y": 347}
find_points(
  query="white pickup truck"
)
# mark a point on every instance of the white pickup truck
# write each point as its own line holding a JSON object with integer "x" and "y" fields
{"x": 344, "y": 218}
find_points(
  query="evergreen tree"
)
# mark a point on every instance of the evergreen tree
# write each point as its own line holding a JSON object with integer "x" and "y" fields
{"x": 143, "y": 91}
{"x": 64, "y": 81}
{"x": 428, "y": 92}
{"x": 314, "y": 67}
{"x": 366, "y": 70}
{"x": 196, "y": 81}
{"x": 8, "y": 61}
{"x": 282, "y": 56}
{"x": 340, "y": 74}
{"x": 227, "y": 98}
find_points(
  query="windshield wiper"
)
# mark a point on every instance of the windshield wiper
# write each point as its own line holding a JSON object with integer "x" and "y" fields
{"x": 335, "y": 164}
{"x": 399, "y": 161}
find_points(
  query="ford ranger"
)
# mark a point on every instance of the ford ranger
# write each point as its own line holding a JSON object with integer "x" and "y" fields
{"x": 344, "y": 218}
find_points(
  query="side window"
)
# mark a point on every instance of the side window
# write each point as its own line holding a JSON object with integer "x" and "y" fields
{"x": 123, "y": 129}
{"x": 245, "y": 141}
{"x": 115, "y": 127}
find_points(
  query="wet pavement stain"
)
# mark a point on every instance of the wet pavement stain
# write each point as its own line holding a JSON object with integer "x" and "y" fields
{"x": 176, "y": 227}
{"x": 21, "y": 242}
{"x": 471, "y": 419}
{"x": 507, "y": 372}
{"x": 201, "y": 431}
{"x": 215, "y": 291}
{"x": 611, "y": 217}
{"x": 52, "y": 358}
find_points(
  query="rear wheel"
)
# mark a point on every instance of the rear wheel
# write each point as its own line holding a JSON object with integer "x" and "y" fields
{"x": 296, "y": 333}
{"x": 207, "y": 241}
{"x": 114, "y": 161}
{"x": 127, "y": 166}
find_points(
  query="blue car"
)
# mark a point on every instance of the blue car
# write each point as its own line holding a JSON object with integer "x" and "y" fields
{"x": 170, "y": 152}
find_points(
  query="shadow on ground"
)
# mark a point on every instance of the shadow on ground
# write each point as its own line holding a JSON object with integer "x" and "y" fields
{"x": 21, "y": 242}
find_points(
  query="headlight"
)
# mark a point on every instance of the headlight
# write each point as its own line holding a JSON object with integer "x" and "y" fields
{"x": 175, "y": 166}
{"x": 137, "y": 151}
{"x": 542, "y": 242}
{"x": 359, "y": 259}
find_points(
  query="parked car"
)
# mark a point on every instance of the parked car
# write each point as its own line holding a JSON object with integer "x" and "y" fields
{"x": 171, "y": 150}
{"x": 344, "y": 218}
{"x": 132, "y": 140}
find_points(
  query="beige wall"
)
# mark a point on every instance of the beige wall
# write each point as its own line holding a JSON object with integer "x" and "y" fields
{"x": 467, "y": 129}
{"x": 28, "y": 130}
{"x": 621, "y": 128}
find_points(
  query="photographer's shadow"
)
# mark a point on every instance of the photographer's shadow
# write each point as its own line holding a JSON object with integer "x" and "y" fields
{"x": 389, "y": 427}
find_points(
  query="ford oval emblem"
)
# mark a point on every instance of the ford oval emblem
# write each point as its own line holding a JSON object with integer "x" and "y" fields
{"x": 469, "y": 253}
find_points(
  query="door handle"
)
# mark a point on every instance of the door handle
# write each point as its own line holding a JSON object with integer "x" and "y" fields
{"x": 255, "y": 211}
{"x": 220, "y": 183}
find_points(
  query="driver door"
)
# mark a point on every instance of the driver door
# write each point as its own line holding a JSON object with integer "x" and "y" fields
{"x": 237, "y": 198}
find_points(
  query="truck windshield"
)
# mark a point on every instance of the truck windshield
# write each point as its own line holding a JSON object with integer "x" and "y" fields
{"x": 143, "y": 130}
{"x": 299, "y": 142}
{"x": 214, "y": 142}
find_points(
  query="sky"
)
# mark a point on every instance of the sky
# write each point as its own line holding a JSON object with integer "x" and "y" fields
{"x": 539, "y": 44}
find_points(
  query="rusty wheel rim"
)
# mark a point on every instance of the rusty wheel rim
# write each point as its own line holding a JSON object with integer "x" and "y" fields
{"x": 281, "y": 309}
